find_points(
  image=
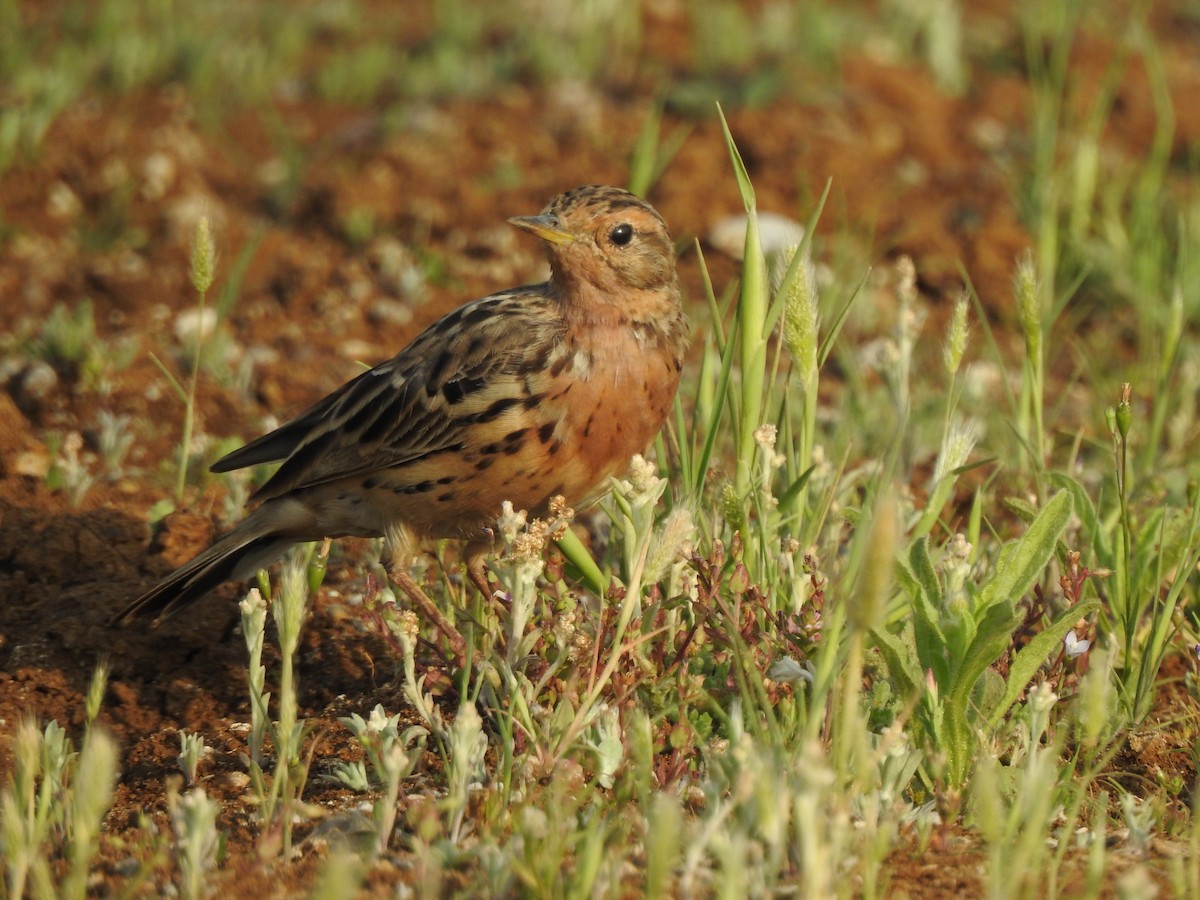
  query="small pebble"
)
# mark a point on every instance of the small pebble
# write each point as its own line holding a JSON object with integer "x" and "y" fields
{"x": 386, "y": 311}
{"x": 776, "y": 233}
{"x": 230, "y": 781}
{"x": 193, "y": 322}
{"x": 38, "y": 380}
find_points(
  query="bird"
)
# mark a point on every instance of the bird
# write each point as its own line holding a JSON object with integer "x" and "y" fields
{"x": 525, "y": 395}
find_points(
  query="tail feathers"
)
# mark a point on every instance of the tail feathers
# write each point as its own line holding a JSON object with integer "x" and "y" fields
{"x": 238, "y": 555}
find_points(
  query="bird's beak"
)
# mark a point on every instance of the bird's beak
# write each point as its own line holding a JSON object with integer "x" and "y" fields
{"x": 545, "y": 227}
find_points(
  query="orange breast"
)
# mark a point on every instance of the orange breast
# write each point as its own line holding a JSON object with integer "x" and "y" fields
{"x": 606, "y": 403}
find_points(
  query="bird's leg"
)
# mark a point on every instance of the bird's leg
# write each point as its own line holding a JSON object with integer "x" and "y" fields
{"x": 403, "y": 580}
{"x": 478, "y": 573}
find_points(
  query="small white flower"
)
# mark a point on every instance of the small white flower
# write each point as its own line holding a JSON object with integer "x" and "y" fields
{"x": 379, "y": 719}
{"x": 252, "y": 602}
{"x": 511, "y": 521}
{"x": 765, "y": 436}
{"x": 1042, "y": 698}
{"x": 643, "y": 474}
{"x": 1073, "y": 646}
{"x": 959, "y": 547}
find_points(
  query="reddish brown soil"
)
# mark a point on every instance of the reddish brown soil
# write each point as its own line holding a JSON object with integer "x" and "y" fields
{"x": 911, "y": 174}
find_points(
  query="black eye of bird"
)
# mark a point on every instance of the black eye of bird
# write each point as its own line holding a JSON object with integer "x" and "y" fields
{"x": 621, "y": 235}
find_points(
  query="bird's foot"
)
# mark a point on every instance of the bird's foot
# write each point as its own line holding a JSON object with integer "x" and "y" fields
{"x": 427, "y": 608}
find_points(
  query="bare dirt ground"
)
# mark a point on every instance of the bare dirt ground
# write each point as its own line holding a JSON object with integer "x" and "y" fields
{"x": 105, "y": 212}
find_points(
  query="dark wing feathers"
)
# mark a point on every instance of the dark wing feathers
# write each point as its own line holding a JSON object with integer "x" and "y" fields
{"x": 416, "y": 403}
{"x": 283, "y": 441}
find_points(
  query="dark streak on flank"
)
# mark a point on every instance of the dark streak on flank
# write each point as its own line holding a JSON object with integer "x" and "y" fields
{"x": 489, "y": 413}
{"x": 421, "y": 487}
{"x": 512, "y": 441}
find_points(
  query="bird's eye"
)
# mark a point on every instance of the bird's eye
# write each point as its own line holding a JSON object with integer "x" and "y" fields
{"x": 621, "y": 235}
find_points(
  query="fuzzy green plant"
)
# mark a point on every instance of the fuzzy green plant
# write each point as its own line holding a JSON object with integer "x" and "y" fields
{"x": 958, "y": 630}
{"x": 68, "y": 339}
{"x": 54, "y": 803}
{"x": 191, "y": 750}
{"x": 70, "y": 471}
{"x": 288, "y": 609}
{"x": 197, "y": 840}
{"x": 1014, "y": 806}
{"x": 254, "y": 621}
{"x": 279, "y": 794}
{"x": 865, "y": 609}
{"x": 392, "y": 755}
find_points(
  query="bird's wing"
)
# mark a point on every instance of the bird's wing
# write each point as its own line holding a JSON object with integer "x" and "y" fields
{"x": 465, "y": 369}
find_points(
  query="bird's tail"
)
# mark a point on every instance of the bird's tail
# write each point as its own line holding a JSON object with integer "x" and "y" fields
{"x": 256, "y": 542}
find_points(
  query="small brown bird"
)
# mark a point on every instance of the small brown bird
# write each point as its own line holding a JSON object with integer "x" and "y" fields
{"x": 530, "y": 393}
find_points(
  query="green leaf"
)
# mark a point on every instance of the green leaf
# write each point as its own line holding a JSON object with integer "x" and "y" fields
{"x": 927, "y": 613}
{"x": 745, "y": 188}
{"x": 795, "y": 487}
{"x": 1024, "y": 562}
{"x": 957, "y": 742}
{"x": 1025, "y": 510}
{"x": 572, "y": 548}
{"x": 992, "y": 639}
{"x": 902, "y": 664}
{"x": 922, "y": 567}
{"x": 722, "y": 395}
